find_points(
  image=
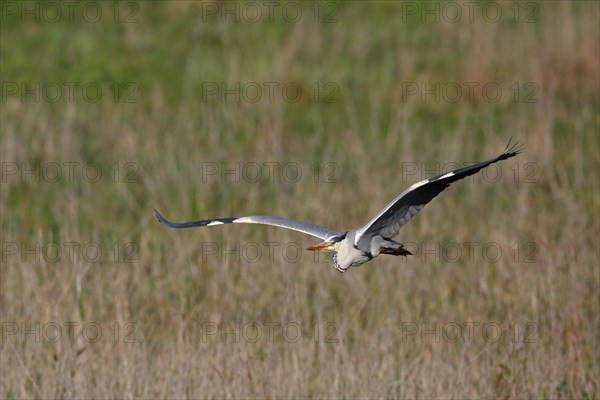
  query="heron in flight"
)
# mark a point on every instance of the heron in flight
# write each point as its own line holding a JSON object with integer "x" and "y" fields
{"x": 354, "y": 247}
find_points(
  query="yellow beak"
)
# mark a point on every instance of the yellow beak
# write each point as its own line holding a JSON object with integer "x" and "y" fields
{"x": 320, "y": 246}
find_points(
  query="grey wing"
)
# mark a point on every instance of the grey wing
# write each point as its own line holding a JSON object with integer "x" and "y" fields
{"x": 389, "y": 221}
{"x": 305, "y": 227}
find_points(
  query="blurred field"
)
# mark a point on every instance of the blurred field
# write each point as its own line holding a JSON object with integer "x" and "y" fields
{"x": 187, "y": 313}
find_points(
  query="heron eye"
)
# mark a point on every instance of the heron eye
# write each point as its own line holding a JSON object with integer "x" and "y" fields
{"x": 340, "y": 238}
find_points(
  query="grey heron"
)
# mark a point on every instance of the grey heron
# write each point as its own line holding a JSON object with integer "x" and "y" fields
{"x": 354, "y": 247}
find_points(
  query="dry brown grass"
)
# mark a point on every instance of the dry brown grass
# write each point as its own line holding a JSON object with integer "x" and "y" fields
{"x": 545, "y": 302}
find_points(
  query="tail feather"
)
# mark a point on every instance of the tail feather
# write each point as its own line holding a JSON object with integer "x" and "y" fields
{"x": 395, "y": 251}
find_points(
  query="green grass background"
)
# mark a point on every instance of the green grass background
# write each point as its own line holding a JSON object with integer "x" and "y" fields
{"x": 370, "y": 133}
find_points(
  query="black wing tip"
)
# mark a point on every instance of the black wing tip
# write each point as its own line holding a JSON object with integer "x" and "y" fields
{"x": 171, "y": 224}
{"x": 160, "y": 218}
{"x": 204, "y": 222}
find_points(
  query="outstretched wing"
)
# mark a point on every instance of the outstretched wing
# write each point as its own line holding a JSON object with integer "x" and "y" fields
{"x": 389, "y": 221}
{"x": 305, "y": 227}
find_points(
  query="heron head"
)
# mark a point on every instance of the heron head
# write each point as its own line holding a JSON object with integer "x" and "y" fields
{"x": 331, "y": 244}
{"x": 346, "y": 254}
